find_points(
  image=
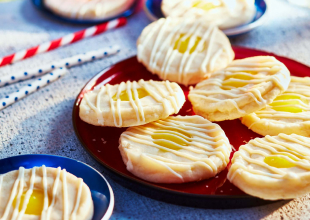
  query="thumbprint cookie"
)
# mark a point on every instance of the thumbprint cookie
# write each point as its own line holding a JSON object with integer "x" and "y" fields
{"x": 273, "y": 167}
{"x": 175, "y": 150}
{"x": 245, "y": 86}
{"x": 183, "y": 50}
{"x": 224, "y": 13}
{"x": 88, "y": 9}
{"x": 44, "y": 193}
{"x": 288, "y": 113}
{"x": 131, "y": 103}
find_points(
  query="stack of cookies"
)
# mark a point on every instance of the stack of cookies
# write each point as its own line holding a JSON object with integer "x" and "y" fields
{"x": 259, "y": 90}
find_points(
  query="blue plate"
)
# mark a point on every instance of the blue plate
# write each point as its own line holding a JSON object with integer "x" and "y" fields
{"x": 40, "y": 5}
{"x": 153, "y": 10}
{"x": 101, "y": 191}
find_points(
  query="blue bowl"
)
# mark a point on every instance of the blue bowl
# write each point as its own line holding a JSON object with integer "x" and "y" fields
{"x": 153, "y": 10}
{"x": 40, "y": 5}
{"x": 101, "y": 191}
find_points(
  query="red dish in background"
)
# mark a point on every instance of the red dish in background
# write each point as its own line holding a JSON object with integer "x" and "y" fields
{"x": 102, "y": 142}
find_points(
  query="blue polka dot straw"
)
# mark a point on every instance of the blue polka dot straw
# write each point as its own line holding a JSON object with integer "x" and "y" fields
{"x": 31, "y": 87}
{"x": 67, "y": 62}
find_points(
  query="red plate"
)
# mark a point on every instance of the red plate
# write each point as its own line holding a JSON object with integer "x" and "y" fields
{"x": 102, "y": 142}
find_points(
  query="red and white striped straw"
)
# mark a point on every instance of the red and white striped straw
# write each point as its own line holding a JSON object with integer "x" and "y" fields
{"x": 68, "y": 39}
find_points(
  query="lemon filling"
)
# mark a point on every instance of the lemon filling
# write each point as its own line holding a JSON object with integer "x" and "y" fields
{"x": 182, "y": 44}
{"x": 279, "y": 104}
{"x": 125, "y": 97}
{"x": 279, "y": 162}
{"x": 237, "y": 80}
{"x": 171, "y": 138}
{"x": 35, "y": 204}
{"x": 204, "y": 5}
{"x": 233, "y": 84}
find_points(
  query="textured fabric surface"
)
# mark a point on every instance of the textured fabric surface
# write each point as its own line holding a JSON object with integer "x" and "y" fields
{"x": 41, "y": 123}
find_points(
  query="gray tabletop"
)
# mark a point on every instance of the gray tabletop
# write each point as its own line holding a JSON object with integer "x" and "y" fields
{"x": 41, "y": 123}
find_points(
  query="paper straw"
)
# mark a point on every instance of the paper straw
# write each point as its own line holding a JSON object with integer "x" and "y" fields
{"x": 32, "y": 87}
{"x": 68, "y": 39}
{"x": 67, "y": 62}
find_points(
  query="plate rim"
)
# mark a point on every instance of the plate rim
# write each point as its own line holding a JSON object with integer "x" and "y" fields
{"x": 146, "y": 184}
{"x": 231, "y": 32}
{"x": 110, "y": 208}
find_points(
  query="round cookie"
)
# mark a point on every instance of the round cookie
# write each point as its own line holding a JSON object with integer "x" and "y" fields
{"x": 273, "y": 167}
{"x": 175, "y": 150}
{"x": 224, "y": 13}
{"x": 245, "y": 86}
{"x": 88, "y": 9}
{"x": 44, "y": 193}
{"x": 131, "y": 103}
{"x": 289, "y": 113}
{"x": 183, "y": 50}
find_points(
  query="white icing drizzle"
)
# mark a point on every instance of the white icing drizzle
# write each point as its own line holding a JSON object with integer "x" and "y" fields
{"x": 65, "y": 195}
{"x": 19, "y": 193}
{"x": 55, "y": 187}
{"x": 199, "y": 141}
{"x": 131, "y": 100}
{"x": 13, "y": 195}
{"x": 28, "y": 194}
{"x": 138, "y": 101}
{"x": 45, "y": 204}
{"x": 192, "y": 34}
{"x": 169, "y": 56}
{"x": 18, "y": 190}
{"x": 173, "y": 96}
{"x": 153, "y": 89}
{"x": 299, "y": 87}
{"x": 282, "y": 146}
{"x": 180, "y": 32}
{"x": 162, "y": 162}
{"x": 77, "y": 201}
{"x": 117, "y": 104}
{"x": 98, "y": 110}
{"x": 208, "y": 59}
{"x": 265, "y": 69}
{"x": 96, "y": 107}
{"x": 1, "y": 180}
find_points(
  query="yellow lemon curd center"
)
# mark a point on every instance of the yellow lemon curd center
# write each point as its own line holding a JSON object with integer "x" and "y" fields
{"x": 172, "y": 138}
{"x": 293, "y": 100}
{"x": 204, "y": 5}
{"x": 125, "y": 97}
{"x": 35, "y": 204}
{"x": 237, "y": 80}
{"x": 279, "y": 162}
{"x": 182, "y": 43}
